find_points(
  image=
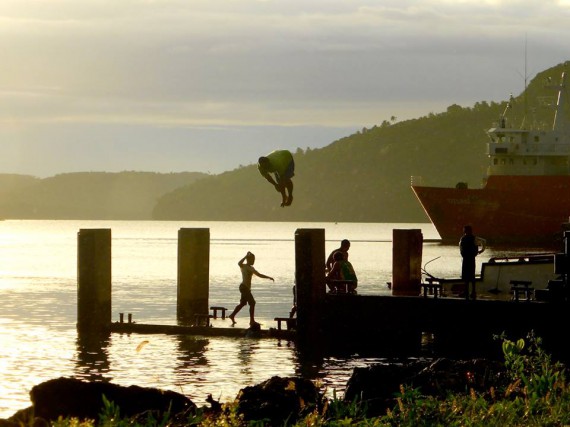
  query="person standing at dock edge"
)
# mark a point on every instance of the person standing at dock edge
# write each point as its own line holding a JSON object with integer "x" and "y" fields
{"x": 281, "y": 164}
{"x": 247, "y": 271}
{"x": 469, "y": 248}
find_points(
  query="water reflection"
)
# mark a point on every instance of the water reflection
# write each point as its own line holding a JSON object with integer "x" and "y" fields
{"x": 93, "y": 356}
{"x": 310, "y": 360}
{"x": 191, "y": 353}
{"x": 246, "y": 349}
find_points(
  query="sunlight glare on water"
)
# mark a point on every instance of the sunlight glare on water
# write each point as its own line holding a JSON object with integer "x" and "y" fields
{"x": 38, "y": 281}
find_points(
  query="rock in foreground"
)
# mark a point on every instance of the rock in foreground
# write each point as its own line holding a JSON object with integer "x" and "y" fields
{"x": 69, "y": 397}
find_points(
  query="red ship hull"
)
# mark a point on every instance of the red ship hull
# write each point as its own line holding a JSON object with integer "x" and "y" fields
{"x": 509, "y": 209}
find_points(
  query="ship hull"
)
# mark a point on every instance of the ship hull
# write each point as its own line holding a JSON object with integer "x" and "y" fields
{"x": 524, "y": 210}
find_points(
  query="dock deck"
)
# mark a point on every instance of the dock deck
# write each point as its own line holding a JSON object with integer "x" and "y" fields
{"x": 207, "y": 331}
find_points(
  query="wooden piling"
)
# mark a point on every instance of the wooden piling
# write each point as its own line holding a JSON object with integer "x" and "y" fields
{"x": 193, "y": 273}
{"x": 406, "y": 261}
{"x": 309, "y": 281}
{"x": 93, "y": 280}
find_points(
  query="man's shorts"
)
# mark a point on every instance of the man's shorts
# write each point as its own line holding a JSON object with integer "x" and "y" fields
{"x": 246, "y": 295}
{"x": 289, "y": 172}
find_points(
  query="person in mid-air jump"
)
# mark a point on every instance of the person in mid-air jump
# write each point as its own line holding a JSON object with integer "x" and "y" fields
{"x": 279, "y": 163}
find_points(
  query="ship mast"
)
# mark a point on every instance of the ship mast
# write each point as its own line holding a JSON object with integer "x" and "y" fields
{"x": 525, "y": 78}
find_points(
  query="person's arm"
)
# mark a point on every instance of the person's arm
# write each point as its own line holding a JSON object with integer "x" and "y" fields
{"x": 263, "y": 276}
{"x": 241, "y": 261}
{"x": 330, "y": 262}
{"x": 333, "y": 273}
{"x": 269, "y": 178}
{"x": 266, "y": 175}
{"x": 481, "y": 242}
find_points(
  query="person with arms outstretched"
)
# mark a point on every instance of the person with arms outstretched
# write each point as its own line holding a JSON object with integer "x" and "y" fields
{"x": 247, "y": 272}
{"x": 279, "y": 163}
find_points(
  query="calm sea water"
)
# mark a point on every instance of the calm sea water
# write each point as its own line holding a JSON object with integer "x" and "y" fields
{"x": 38, "y": 287}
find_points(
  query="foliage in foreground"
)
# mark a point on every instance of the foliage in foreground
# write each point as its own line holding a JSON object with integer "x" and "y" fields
{"x": 536, "y": 395}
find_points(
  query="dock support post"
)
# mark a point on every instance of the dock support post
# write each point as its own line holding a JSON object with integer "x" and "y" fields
{"x": 565, "y": 274}
{"x": 93, "y": 280}
{"x": 406, "y": 262}
{"x": 193, "y": 273}
{"x": 309, "y": 281}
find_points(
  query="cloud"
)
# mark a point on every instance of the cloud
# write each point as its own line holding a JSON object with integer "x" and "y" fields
{"x": 336, "y": 63}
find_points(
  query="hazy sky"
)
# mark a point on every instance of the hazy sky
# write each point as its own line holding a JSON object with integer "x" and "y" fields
{"x": 208, "y": 85}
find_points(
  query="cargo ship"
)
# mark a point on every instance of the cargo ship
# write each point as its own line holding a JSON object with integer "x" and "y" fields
{"x": 525, "y": 198}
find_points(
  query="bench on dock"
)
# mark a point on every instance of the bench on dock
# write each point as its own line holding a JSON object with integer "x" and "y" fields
{"x": 342, "y": 286}
{"x": 201, "y": 319}
{"x": 215, "y": 310}
{"x": 521, "y": 287}
{"x": 290, "y": 322}
{"x": 432, "y": 288}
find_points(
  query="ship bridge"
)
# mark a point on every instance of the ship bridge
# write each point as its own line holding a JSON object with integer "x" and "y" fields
{"x": 532, "y": 152}
{"x": 527, "y": 152}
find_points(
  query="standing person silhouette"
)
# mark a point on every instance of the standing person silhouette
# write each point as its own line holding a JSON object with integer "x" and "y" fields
{"x": 469, "y": 249}
{"x": 247, "y": 271}
{"x": 279, "y": 163}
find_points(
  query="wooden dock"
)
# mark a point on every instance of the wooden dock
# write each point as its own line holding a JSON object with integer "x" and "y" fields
{"x": 353, "y": 323}
{"x": 206, "y": 331}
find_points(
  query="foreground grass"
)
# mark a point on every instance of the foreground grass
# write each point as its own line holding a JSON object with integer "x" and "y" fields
{"x": 535, "y": 395}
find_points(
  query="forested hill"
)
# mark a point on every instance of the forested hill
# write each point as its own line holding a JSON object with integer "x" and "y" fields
{"x": 364, "y": 177}
{"x": 361, "y": 178}
{"x": 87, "y": 195}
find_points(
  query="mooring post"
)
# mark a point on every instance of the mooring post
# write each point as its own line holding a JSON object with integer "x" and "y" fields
{"x": 193, "y": 273}
{"x": 93, "y": 280}
{"x": 566, "y": 240}
{"x": 406, "y": 262}
{"x": 309, "y": 281}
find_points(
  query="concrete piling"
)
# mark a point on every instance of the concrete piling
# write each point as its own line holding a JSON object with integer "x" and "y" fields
{"x": 407, "y": 262}
{"x": 309, "y": 281}
{"x": 193, "y": 273}
{"x": 93, "y": 279}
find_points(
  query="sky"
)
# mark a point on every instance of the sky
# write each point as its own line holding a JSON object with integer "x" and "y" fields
{"x": 211, "y": 85}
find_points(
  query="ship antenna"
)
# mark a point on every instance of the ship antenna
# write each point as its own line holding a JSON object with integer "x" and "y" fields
{"x": 525, "y": 78}
{"x": 557, "y": 125}
{"x": 504, "y": 115}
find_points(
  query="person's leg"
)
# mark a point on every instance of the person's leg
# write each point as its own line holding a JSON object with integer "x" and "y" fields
{"x": 289, "y": 187}
{"x": 252, "y": 313}
{"x": 468, "y": 273}
{"x": 293, "y": 311}
{"x": 281, "y": 188}
{"x": 283, "y": 197}
{"x": 235, "y": 312}
{"x": 294, "y": 308}
{"x": 251, "y": 301}
{"x": 287, "y": 183}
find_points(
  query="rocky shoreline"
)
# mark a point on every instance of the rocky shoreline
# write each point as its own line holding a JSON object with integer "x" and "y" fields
{"x": 277, "y": 399}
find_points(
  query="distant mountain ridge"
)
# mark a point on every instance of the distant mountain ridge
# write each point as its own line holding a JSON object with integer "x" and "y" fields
{"x": 88, "y": 195}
